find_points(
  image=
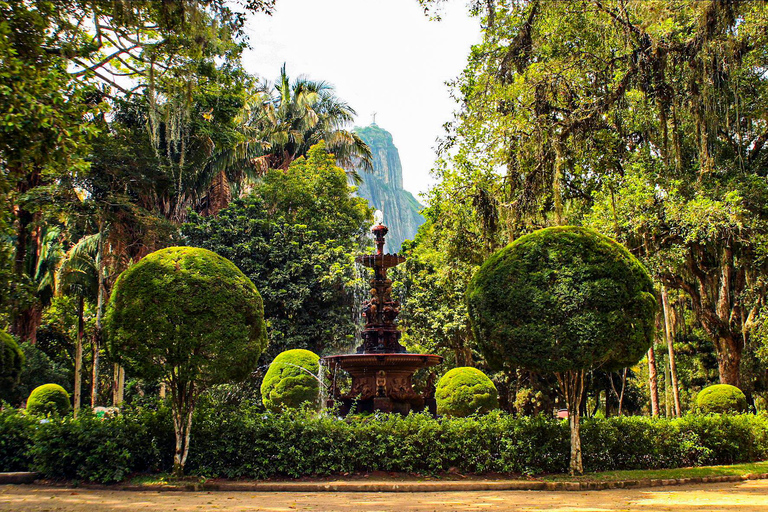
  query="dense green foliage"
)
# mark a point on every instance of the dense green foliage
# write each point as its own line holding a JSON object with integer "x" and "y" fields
{"x": 189, "y": 317}
{"x": 295, "y": 235}
{"x": 16, "y": 439}
{"x": 560, "y": 299}
{"x": 254, "y": 445}
{"x": 292, "y": 381}
{"x": 186, "y": 313}
{"x": 11, "y": 364}
{"x": 721, "y": 398}
{"x": 48, "y": 399}
{"x": 465, "y": 391}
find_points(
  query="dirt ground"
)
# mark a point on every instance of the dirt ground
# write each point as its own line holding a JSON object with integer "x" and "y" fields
{"x": 748, "y": 496}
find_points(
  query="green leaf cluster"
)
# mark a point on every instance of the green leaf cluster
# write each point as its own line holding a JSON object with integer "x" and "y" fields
{"x": 295, "y": 234}
{"x": 49, "y": 400}
{"x": 11, "y": 364}
{"x": 561, "y": 299}
{"x": 292, "y": 381}
{"x": 465, "y": 391}
{"x": 186, "y": 313}
{"x": 721, "y": 398}
{"x": 243, "y": 443}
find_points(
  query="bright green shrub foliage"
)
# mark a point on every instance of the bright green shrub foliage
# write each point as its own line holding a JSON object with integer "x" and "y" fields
{"x": 188, "y": 311}
{"x": 11, "y": 363}
{"x": 464, "y": 391}
{"x": 721, "y": 398}
{"x": 244, "y": 443}
{"x": 48, "y": 399}
{"x": 560, "y": 299}
{"x": 290, "y": 380}
{"x": 16, "y": 433}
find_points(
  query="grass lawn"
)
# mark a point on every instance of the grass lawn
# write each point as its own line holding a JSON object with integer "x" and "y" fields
{"x": 605, "y": 476}
{"x": 637, "y": 474}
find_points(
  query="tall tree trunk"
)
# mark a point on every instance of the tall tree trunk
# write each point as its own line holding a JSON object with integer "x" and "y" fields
{"x": 671, "y": 349}
{"x": 183, "y": 399}
{"x": 79, "y": 355}
{"x": 729, "y": 358}
{"x": 572, "y": 386}
{"x": 653, "y": 382}
{"x": 96, "y": 343}
{"x": 118, "y": 385}
{"x": 27, "y": 316}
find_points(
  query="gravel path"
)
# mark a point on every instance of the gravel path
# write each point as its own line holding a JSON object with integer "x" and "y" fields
{"x": 747, "y": 496}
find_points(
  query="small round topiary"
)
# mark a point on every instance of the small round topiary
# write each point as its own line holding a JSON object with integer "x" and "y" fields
{"x": 464, "y": 391}
{"x": 48, "y": 399}
{"x": 291, "y": 380}
{"x": 721, "y": 398}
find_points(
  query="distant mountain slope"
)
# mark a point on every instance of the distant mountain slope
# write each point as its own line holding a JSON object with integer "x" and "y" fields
{"x": 383, "y": 188}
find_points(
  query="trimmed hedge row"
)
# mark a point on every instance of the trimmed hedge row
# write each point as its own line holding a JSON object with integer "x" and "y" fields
{"x": 252, "y": 444}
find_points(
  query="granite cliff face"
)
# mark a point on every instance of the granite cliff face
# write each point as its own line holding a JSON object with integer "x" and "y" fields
{"x": 383, "y": 188}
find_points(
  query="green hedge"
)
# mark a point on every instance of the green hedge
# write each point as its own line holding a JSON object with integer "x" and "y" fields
{"x": 244, "y": 443}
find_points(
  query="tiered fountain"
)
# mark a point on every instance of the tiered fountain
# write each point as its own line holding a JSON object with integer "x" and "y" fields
{"x": 381, "y": 370}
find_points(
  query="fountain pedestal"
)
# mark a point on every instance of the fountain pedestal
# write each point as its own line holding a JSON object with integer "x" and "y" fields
{"x": 382, "y": 370}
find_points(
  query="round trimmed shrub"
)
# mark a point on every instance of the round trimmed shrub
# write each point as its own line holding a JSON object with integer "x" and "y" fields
{"x": 465, "y": 391}
{"x": 11, "y": 363}
{"x": 721, "y": 398}
{"x": 290, "y": 380}
{"x": 48, "y": 399}
{"x": 562, "y": 299}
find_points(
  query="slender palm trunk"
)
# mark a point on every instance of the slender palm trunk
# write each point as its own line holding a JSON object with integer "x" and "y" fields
{"x": 653, "y": 382}
{"x": 671, "y": 349}
{"x": 79, "y": 355}
{"x": 96, "y": 343}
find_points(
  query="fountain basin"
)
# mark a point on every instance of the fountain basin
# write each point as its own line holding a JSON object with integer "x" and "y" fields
{"x": 382, "y": 382}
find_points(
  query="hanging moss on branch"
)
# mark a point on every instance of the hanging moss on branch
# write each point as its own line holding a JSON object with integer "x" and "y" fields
{"x": 562, "y": 300}
{"x": 291, "y": 381}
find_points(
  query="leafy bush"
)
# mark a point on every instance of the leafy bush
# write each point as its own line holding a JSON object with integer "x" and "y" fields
{"x": 464, "y": 391}
{"x": 48, "y": 399}
{"x": 235, "y": 443}
{"x": 11, "y": 363}
{"x": 16, "y": 439}
{"x": 721, "y": 398}
{"x": 291, "y": 380}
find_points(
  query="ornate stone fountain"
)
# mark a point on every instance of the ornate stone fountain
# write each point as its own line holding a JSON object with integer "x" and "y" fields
{"x": 381, "y": 370}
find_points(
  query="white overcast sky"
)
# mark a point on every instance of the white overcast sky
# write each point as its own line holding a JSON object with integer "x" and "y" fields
{"x": 382, "y": 56}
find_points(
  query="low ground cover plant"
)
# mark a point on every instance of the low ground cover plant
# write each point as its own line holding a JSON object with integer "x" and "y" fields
{"x": 249, "y": 443}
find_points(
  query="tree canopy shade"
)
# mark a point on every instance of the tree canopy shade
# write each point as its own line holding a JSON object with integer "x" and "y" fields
{"x": 295, "y": 234}
{"x": 189, "y": 317}
{"x": 562, "y": 300}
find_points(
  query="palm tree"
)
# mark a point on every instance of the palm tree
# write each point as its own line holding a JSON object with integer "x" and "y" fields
{"x": 78, "y": 274}
{"x": 279, "y": 124}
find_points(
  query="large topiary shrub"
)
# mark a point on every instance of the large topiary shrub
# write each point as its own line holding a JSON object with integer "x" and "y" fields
{"x": 11, "y": 363}
{"x": 190, "y": 318}
{"x": 562, "y": 300}
{"x": 48, "y": 399}
{"x": 465, "y": 391}
{"x": 721, "y": 398}
{"x": 291, "y": 380}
